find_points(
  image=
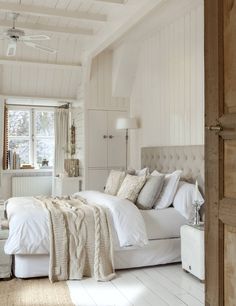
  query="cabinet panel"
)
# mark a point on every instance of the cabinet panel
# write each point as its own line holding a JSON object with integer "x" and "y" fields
{"x": 97, "y": 179}
{"x": 116, "y": 140}
{"x": 97, "y": 144}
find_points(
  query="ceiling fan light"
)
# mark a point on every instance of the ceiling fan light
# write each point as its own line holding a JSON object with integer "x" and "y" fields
{"x": 11, "y": 48}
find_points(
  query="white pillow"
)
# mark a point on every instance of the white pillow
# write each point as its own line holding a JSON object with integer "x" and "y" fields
{"x": 168, "y": 190}
{"x": 184, "y": 198}
{"x": 114, "y": 182}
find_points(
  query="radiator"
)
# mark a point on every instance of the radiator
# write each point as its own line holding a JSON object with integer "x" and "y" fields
{"x": 31, "y": 186}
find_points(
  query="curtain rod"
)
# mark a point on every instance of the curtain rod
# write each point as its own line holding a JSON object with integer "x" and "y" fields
{"x": 44, "y": 106}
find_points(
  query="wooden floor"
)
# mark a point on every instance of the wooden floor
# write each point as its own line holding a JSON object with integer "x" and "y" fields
{"x": 156, "y": 286}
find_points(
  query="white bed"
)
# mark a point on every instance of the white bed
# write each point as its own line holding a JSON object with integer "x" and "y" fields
{"x": 162, "y": 226}
{"x": 29, "y": 242}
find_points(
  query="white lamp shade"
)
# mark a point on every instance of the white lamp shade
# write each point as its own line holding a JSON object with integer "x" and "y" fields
{"x": 126, "y": 123}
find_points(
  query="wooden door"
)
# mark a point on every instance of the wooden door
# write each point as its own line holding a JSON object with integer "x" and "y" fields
{"x": 97, "y": 139}
{"x": 220, "y": 81}
{"x": 116, "y": 140}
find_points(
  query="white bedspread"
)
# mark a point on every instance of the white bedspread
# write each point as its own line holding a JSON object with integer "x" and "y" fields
{"x": 29, "y": 225}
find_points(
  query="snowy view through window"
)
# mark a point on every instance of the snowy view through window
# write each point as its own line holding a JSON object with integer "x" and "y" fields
{"x": 31, "y": 135}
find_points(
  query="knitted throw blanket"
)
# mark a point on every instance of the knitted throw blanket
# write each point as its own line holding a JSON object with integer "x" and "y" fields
{"x": 80, "y": 240}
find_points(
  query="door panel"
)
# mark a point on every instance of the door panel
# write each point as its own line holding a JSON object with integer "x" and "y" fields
{"x": 230, "y": 168}
{"x": 229, "y": 55}
{"x": 116, "y": 140}
{"x": 97, "y": 144}
{"x": 229, "y": 265}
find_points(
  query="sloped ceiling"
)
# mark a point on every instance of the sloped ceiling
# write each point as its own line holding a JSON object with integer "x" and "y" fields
{"x": 76, "y": 27}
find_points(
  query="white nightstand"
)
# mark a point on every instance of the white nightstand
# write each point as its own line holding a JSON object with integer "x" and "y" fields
{"x": 192, "y": 250}
{"x": 5, "y": 260}
{"x": 64, "y": 186}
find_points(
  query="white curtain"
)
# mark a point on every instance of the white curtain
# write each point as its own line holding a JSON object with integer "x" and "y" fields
{"x": 61, "y": 139}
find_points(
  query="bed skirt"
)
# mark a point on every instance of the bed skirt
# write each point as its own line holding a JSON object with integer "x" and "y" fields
{"x": 157, "y": 252}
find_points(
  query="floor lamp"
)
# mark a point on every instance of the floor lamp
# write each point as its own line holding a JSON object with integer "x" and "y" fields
{"x": 126, "y": 124}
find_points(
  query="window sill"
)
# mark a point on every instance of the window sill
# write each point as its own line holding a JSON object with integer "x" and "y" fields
{"x": 13, "y": 171}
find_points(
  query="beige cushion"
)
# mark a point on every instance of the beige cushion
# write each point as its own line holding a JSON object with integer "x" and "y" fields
{"x": 114, "y": 182}
{"x": 150, "y": 192}
{"x": 131, "y": 187}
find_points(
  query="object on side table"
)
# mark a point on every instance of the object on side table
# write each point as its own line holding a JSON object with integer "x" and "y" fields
{"x": 192, "y": 250}
{"x": 5, "y": 260}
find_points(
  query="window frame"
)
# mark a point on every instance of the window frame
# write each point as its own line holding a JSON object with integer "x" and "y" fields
{"x": 32, "y": 138}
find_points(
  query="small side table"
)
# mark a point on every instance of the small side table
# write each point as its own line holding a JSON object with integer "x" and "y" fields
{"x": 192, "y": 250}
{"x": 5, "y": 260}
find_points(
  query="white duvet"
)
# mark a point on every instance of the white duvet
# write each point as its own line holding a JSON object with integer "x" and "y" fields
{"x": 28, "y": 223}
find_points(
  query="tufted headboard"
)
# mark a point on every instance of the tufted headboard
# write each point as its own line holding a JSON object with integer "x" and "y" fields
{"x": 190, "y": 159}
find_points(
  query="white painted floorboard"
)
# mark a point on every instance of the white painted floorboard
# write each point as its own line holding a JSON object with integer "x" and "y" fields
{"x": 154, "y": 286}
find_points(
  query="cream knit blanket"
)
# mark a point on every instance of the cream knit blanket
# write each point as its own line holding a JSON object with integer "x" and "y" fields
{"x": 80, "y": 240}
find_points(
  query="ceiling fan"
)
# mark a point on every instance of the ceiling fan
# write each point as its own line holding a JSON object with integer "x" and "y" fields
{"x": 14, "y": 35}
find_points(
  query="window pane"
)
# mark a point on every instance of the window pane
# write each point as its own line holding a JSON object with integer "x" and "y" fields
{"x": 45, "y": 150}
{"x": 44, "y": 123}
{"x": 19, "y": 122}
{"x": 22, "y": 148}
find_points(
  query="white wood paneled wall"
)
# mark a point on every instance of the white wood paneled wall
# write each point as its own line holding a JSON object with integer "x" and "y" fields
{"x": 37, "y": 81}
{"x": 168, "y": 94}
{"x": 100, "y": 88}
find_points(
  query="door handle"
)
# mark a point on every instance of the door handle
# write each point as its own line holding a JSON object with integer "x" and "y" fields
{"x": 216, "y": 128}
{"x": 111, "y": 136}
{"x": 105, "y": 136}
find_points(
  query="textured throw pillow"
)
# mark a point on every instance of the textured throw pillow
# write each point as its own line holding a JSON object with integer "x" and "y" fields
{"x": 114, "y": 182}
{"x": 150, "y": 192}
{"x": 131, "y": 187}
{"x": 169, "y": 189}
{"x": 184, "y": 198}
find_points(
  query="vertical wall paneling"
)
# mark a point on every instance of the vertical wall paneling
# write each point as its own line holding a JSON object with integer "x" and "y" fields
{"x": 100, "y": 87}
{"x": 168, "y": 93}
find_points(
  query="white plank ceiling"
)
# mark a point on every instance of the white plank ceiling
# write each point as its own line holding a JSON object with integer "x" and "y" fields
{"x": 76, "y": 27}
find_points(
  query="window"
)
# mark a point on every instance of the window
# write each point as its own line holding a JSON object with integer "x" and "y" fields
{"x": 31, "y": 135}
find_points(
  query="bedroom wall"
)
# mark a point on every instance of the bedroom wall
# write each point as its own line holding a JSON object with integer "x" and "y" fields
{"x": 100, "y": 86}
{"x": 168, "y": 92}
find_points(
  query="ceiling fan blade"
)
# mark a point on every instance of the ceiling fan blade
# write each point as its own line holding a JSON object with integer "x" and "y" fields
{"x": 11, "y": 48}
{"x": 40, "y": 47}
{"x": 34, "y": 37}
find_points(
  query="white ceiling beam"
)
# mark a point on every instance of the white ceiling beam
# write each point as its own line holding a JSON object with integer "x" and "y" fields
{"x": 4, "y": 61}
{"x": 113, "y": 1}
{"x": 47, "y": 28}
{"x": 50, "y": 12}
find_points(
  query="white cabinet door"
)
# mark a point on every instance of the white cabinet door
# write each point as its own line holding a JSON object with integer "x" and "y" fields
{"x": 97, "y": 139}
{"x": 116, "y": 140}
{"x": 97, "y": 179}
